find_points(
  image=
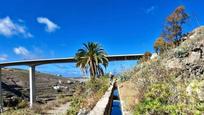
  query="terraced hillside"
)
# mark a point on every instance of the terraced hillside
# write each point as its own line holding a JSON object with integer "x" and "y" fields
{"x": 16, "y": 86}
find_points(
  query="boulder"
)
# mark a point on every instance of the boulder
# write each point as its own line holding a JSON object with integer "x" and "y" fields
{"x": 82, "y": 111}
{"x": 194, "y": 69}
{"x": 174, "y": 64}
{"x": 194, "y": 57}
{"x": 154, "y": 56}
{"x": 70, "y": 82}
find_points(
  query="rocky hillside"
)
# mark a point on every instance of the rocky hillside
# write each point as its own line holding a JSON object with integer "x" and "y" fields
{"x": 172, "y": 83}
{"x": 16, "y": 86}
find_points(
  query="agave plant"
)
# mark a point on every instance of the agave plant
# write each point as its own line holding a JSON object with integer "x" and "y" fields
{"x": 93, "y": 58}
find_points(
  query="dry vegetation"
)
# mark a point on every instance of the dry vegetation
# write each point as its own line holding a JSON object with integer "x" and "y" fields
{"x": 173, "y": 83}
{"x": 38, "y": 108}
{"x": 88, "y": 95}
{"x": 128, "y": 95}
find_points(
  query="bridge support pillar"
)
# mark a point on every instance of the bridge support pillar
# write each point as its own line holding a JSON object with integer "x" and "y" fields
{"x": 32, "y": 85}
{"x": 1, "y": 94}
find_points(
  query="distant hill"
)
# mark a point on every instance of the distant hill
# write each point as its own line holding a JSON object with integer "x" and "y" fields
{"x": 16, "y": 85}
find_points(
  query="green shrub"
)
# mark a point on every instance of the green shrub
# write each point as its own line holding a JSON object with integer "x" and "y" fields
{"x": 92, "y": 90}
{"x": 96, "y": 84}
{"x": 158, "y": 91}
{"x": 23, "y": 104}
{"x": 157, "y": 101}
{"x": 75, "y": 106}
{"x": 181, "y": 52}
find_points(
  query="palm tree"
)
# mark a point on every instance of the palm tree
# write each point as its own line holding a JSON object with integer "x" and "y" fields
{"x": 92, "y": 57}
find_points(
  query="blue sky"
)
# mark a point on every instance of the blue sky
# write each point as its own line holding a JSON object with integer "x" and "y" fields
{"x": 33, "y": 29}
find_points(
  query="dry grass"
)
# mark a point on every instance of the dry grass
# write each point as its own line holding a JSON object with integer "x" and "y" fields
{"x": 56, "y": 103}
{"x": 128, "y": 95}
{"x": 39, "y": 109}
{"x": 91, "y": 101}
{"x": 24, "y": 111}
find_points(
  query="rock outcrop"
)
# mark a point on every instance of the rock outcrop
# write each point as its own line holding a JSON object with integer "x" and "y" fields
{"x": 189, "y": 55}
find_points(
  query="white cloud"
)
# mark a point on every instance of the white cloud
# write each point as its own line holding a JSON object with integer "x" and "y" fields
{"x": 35, "y": 53}
{"x": 8, "y": 28}
{"x": 50, "y": 26}
{"x": 3, "y": 57}
{"x": 21, "y": 51}
{"x": 150, "y": 9}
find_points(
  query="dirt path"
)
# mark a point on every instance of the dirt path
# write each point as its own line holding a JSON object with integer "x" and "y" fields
{"x": 61, "y": 110}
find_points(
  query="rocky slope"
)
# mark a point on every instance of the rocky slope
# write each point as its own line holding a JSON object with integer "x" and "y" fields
{"x": 172, "y": 83}
{"x": 16, "y": 86}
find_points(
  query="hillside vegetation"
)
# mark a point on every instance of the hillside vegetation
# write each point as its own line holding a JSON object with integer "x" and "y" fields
{"x": 87, "y": 95}
{"x": 172, "y": 83}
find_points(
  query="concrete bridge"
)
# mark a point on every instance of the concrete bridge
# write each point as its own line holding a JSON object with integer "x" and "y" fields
{"x": 33, "y": 63}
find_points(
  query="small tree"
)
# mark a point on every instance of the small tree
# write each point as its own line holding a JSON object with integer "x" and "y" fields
{"x": 146, "y": 57}
{"x": 160, "y": 45}
{"x": 173, "y": 27}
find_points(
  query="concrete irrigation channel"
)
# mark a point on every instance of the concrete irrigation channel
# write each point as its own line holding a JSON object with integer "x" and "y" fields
{"x": 109, "y": 104}
{"x": 116, "y": 104}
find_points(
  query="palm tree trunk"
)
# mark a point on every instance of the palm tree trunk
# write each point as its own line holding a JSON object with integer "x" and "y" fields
{"x": 92, "y": 73}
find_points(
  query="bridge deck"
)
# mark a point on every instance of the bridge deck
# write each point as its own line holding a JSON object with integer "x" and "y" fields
{"x": 68, "y": 60}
